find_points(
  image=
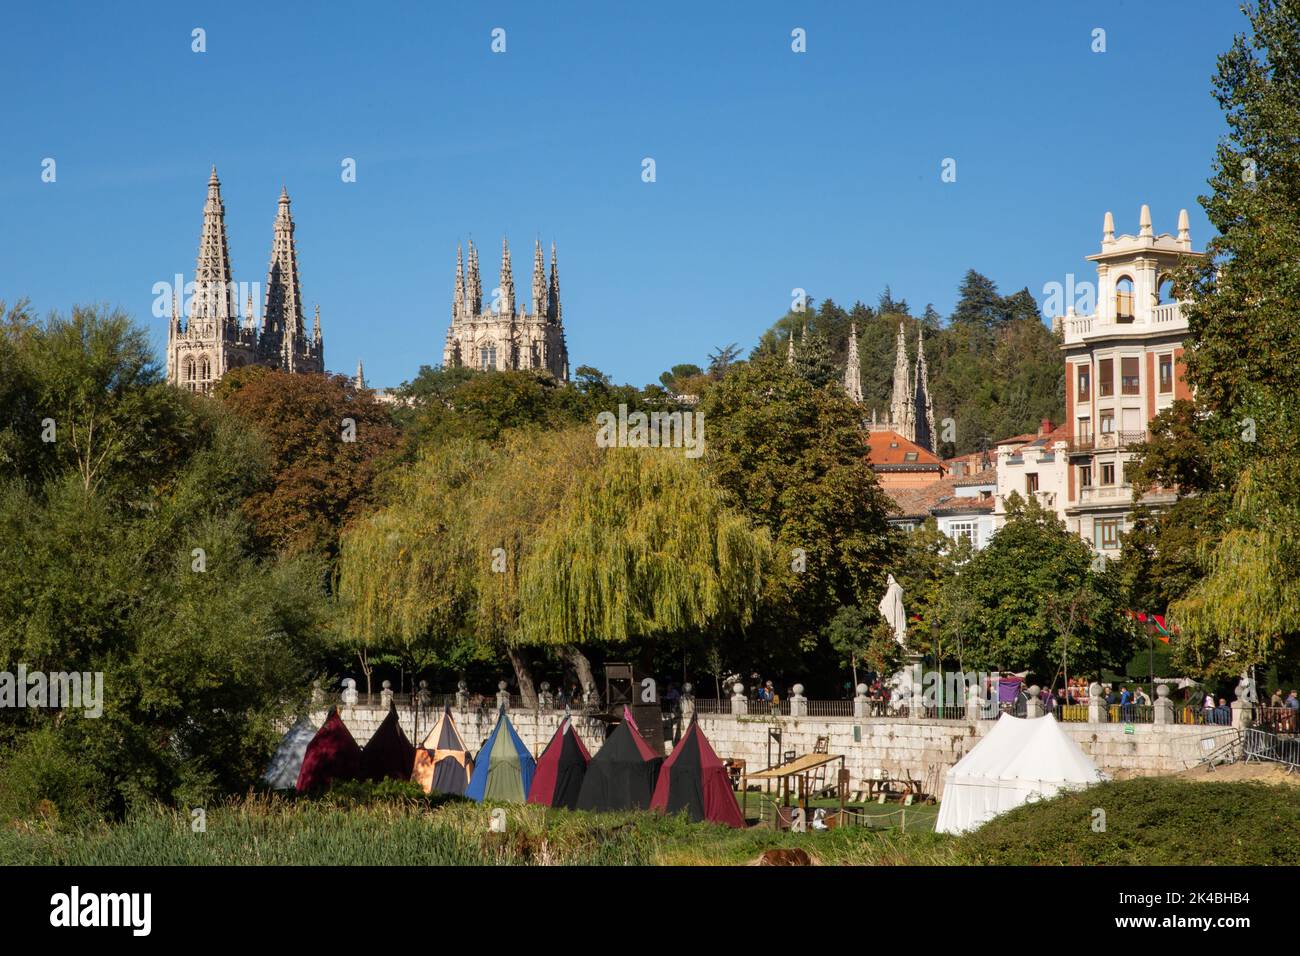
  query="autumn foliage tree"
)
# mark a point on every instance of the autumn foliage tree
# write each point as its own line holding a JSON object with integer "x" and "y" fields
{"x": 327, "y": 441}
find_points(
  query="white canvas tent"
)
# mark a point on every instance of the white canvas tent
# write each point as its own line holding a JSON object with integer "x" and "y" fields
{"x": 1017, "y": 761}
{"x": 282, "y": 773}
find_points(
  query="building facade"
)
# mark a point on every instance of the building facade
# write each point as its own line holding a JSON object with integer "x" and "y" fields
{"x": 504, "y": 336}
{"x": 1123, "y": 366}
{"x": 213, "y": 339}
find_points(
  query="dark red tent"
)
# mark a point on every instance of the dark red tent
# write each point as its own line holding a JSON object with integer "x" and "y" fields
{"x": 693, "y": 779}
{"x": 560, "y": 769}
{"x": 388, "y": 754}
{"x": 332, "y": 755}
{"x": 622, "y": 774}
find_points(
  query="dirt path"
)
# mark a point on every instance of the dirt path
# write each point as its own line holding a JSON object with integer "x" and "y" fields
{"x": 1233, "y": 772}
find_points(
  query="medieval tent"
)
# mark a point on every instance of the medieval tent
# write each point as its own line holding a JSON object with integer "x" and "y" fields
{"x": 560, "y": 769}
{"x": 503, "y": 769}
{"x": 693, "y": 779}
{"x": 1020, "y": 760}
{"x": 442, "y": 764}
{"x": 388, "y": 754}
{"x": 331, "y": 756}
{"x": 622, "y": 774}
{"x": 286, "y": 762}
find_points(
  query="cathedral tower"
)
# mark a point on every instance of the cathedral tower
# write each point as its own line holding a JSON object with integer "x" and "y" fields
{"x": 507, "y": 335}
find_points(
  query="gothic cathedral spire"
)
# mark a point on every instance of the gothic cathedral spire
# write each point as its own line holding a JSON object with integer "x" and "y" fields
{"x": 213, "y": 309}
{"x": 852, "y": 368}
{"x": 539, "y": 282}
{"x": 507, "y": 290}
{"x": 922, "y": 406}
{"x": 900, "y": 404}
{"x": 283, "y": 327}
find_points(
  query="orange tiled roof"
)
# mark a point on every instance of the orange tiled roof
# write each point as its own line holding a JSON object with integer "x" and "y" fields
{"x": 891, "y": 451}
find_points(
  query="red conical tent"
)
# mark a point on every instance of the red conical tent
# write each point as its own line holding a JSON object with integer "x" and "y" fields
{"x": 560, "y": 769}
{"x": 332, "y": 755}
{"x": 693, "y": 779}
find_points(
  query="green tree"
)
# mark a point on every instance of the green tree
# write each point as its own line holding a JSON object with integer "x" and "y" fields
{"x": 1013, "y": 584}
{"x": 1235, "y": 551}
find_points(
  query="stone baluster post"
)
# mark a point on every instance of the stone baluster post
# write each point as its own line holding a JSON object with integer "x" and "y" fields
{"x": 974, "y": 703}
{"x": 686, "y": 704}
{"x": 1098, "y": 712}
{"x": 545, "y": 699}
{"x": 1033, "y": 703}
{"x": 861, "y": 703}
{"x": 739, "y": 705}
{"x": 386, "y": 695}
{"x": 349, "y": 696}
{"x": 503, "y": 696}
{"x": 1163, "y": 710}
{"x": 462, "y": 695}
{"x": 798, "y": 702}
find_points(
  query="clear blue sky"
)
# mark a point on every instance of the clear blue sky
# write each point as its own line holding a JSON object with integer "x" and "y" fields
{"x": 774, "y": 169}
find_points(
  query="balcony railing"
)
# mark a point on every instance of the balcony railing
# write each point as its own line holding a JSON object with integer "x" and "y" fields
{"x": 1096, "y": 493}
{"x": 1076, "y": 327}
{"x": 1107, "y": 441}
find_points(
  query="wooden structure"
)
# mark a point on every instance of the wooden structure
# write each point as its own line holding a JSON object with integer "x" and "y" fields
{"x": 803, "y": 771}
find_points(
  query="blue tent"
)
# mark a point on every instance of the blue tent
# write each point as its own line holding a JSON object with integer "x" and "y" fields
{"x": 503, "y": 769}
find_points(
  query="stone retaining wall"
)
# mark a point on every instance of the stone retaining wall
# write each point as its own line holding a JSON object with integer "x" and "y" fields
{"x": 922, "y": 750}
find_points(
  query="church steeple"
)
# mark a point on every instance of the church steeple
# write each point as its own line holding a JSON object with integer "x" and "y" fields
{"x": 553, "y": 310}
{"x": 852, "y": 368}
{"x": 922, "y": 406}
{"x": 539, "y": 282}
{"x": 283, "y": 327}
{"x": 458, "y": 298}
{"x": 474, "y": 290}
{"x": 360, "y": 380}
{"x": 213, "y": 308}
{"x": 507, "y": 299}
{"x": 789, "y": 348}
{"x": 900, "y": 404}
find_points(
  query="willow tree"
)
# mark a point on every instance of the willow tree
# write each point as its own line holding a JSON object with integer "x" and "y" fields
{"x": 405, "y": 572}
{"x": 518, "y": 489}
{"x": 644, "y": 547}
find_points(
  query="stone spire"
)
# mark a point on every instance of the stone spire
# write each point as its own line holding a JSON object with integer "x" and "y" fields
{"x": 360, "y": 380}
{"x": 507, "y": 281}
{"x": 789, "y": 348}
{"x": 283, "y": 329}
{"x": 922, "y": 406}
{"x": 1108, "y": 228}
{"x": 539, "y": 282}
{"x": 852, "y": 368}
{"x": 474, "y": 290}
{"x": 315, "y": 327}
{"x": 213, "y": 309}
{"x": 1184, "y": 229}
{"x": 458, "y": 300}
{"x": 553, "y": 310}
{"x": 900, "y": 405}
{"x": 1144, "y": 222}
{"x": 250, "y": 322}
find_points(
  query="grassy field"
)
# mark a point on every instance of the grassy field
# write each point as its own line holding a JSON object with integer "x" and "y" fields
{"x": 1150, "y": 821}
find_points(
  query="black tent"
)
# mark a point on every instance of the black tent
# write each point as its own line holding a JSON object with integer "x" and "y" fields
{"x": 560, "y": 769}
{"x": 388, "y": 754}
{"x": 622, "y": 775}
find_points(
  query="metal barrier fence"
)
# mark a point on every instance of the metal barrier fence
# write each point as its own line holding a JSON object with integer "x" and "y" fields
{"x": 1263, "y": 745}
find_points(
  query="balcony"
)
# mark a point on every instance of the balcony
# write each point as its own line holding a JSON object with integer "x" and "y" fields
{"x": 1105, "y": 494}
{"x": 1168, "y": 317}
{"x": 1106, "y": 441}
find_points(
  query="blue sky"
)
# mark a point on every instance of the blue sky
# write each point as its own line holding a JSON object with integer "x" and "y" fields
{"x": 775, "y": 170}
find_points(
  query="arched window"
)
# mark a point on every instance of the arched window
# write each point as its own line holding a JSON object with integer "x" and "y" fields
{"x": 1124, "y": 299}
{"x": 205, "y": 369}
{"x": 189, "y": 371}
{"x": 1165, "y": 293}
{"x": 487, "y": 356}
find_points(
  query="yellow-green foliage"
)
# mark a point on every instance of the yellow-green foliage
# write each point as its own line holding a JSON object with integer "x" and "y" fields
{"x": 644, "y": 546}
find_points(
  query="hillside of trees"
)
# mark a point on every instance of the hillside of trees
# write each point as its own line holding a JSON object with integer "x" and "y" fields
{"x": 994, "y": 368}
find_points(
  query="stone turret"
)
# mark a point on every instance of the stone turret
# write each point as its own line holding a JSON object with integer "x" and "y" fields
{"x": 852, "y": 368}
